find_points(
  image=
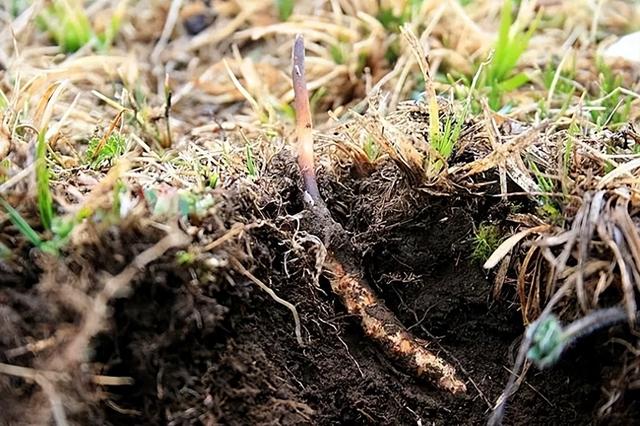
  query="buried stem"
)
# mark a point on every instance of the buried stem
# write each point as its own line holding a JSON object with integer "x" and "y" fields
{"x": 345, "y": 274}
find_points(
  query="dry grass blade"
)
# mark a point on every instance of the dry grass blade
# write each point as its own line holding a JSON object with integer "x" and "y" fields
{"x": 503, "y": 152}
{"x": 395, "y": 144}
{"x": 421, "y": 58}
{"x": 510, "y": 243}
{"x": 32, "y": 374}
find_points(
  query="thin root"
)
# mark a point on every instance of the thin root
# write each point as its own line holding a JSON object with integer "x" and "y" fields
{"x": 296, "y": 318}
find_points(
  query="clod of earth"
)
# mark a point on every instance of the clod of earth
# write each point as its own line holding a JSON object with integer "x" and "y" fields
{"x": 345, "y": 273}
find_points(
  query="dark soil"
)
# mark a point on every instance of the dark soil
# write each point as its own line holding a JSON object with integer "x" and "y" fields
{"x": 208, "y": 348}
{"x": 248, "y": 369}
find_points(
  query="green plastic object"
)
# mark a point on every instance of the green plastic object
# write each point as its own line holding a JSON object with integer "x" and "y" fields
{"x": 547, "y": 341}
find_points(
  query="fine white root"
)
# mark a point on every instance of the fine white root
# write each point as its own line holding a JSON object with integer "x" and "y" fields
{"x": 296, "y": 318}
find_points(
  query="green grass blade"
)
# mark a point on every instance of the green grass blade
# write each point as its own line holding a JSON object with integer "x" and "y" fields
{"x": 517, "y": 46}
{"x": 45, "y": 200}
{"x": 4, "y": 102}
{"x": 513, "y": 83}
{"x": 250, "y": 163}
{"x": 502, "y": 44}
{"x": 21, "y": 224}
{"x": 285, "y": 9}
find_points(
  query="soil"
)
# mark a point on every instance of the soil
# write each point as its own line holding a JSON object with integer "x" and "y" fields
{"x": 227, "y": 354}
{"x": 210, "y": 349}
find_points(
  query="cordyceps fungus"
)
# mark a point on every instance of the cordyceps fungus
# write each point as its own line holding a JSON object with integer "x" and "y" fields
{"x": 304, "y": 126}
{"x": 344, "y": 271}
{"x": 549, "y": 338}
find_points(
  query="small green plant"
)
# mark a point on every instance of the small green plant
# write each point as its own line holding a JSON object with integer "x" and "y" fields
{"x": 67, "y": 23}
{"x": 498, "y": 77}
{"x": 444, "y": 140}
{"x": 186, "y": 258}
{"x": 393, "y": 21}
{"x": 69, "y": 26}
{"x": 213, "y": 179}
{"x": 614, "y": 106}
{"x": 285, "y": 8}
{"x": 547, "y": 206}
{"x": 60, "y": 230}
{"x": 101, "y": 154}
{"x": 548, "y": 342}
{"x": 250, "y": 163}
{"x": 486, "y": 240}
{"x": 57, "y": 228}
{"x": 371, "y": 149}
{"x": 171, "y": 202}
{"x": 566, "y": 80}
{"x": 194, "y": 204}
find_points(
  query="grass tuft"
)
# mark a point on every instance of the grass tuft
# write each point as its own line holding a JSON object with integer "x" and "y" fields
{"x": 499, "y": 76}
{"x": 548, "y": 207}
{"x": 612, "y": 107}
{"x": 445, "y": 140}
{"x": 486, "y": 240}
{"x": 67, "y": 23}
{"x": 104, "y": 155}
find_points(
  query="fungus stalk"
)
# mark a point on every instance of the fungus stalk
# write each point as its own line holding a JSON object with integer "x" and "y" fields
{"x": 304, "y": 126}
